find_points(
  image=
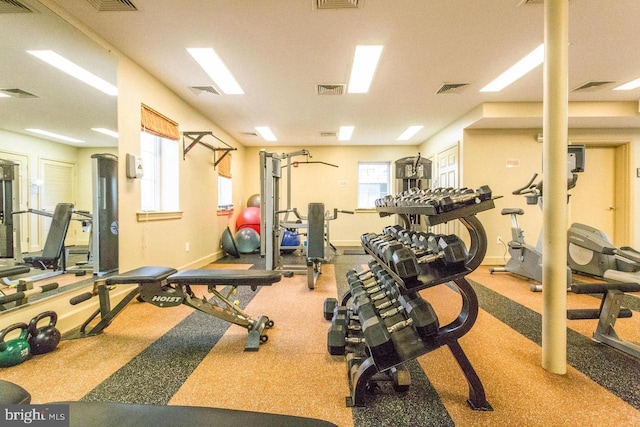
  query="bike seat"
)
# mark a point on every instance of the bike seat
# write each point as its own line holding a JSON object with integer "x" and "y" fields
{"x": 512, "y": 211}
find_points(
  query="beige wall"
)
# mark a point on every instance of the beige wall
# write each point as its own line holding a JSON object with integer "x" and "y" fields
{"x": 484, "y": 161}
{"x": 164, "y": 242}
{"x": 335, "y": 187}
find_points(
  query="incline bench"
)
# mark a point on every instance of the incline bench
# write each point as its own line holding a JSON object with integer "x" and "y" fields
{"x": 166, "y": 287}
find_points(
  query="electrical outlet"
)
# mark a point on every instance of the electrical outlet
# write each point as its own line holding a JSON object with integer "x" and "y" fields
{"x": 186, "y": 247}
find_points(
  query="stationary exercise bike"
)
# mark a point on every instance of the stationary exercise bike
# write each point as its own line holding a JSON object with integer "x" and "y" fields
{"x": 525, "y": 259}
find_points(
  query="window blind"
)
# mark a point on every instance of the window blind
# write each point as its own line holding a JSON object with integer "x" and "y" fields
{"x": 158, "y": 124}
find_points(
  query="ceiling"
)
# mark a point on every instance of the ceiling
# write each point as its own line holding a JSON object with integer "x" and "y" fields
{"x": 280, "y": 50}
{"x": 59, "y": 104}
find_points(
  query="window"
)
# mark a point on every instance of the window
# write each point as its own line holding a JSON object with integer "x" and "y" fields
{"x": 225, "y": 184}
{"x": 160, "y": 181}
{"x": 159, "y": 188}
{"x": 374, "y": 182}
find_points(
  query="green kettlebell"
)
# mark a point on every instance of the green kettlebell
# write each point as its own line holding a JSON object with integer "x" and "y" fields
{"x": 45, "y": 339}
{"x": 15, "y": 351}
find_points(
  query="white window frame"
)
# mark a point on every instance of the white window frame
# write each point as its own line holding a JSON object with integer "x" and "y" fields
{"x": 225, "y": 193}
{"x": 160, "y": 183}
{"x": 368, "y": 178}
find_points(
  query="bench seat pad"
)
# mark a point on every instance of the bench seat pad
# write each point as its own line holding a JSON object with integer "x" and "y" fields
{"x": 141, "y": 275}
{"x": 13, "y": 394}
{"x": 225, "y": 277}
{"x": 99, "y": 414}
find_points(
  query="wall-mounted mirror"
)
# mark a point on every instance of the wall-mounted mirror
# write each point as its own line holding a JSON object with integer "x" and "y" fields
{"x": 36, "y": 96}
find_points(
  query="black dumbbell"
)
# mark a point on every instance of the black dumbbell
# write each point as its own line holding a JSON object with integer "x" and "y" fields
{"x": 371, "y": 264}
{"x": 381, "y": 286}
{"x": 377, "y": 336}
{"x": 337, "y": 340}
{"x": 329, "y": 305}
{"x": 452, "y": 252}
{"x": 467, "y": 197}
{"x": 425, "y": 320}
{"x": 376, "y": 270}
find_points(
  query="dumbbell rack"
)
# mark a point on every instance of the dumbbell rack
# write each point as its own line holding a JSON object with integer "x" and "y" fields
{"x": 449, "y": 334}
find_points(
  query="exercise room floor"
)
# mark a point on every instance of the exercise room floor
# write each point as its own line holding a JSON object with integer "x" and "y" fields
{"x": 176, "y": 356}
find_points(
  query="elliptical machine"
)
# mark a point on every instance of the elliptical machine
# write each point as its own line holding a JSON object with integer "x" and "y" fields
{"x": 525, "y": 259}
{"x": 592, "y": 253}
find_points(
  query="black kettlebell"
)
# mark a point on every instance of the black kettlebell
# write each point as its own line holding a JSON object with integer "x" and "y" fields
{"x": 45, "y": 339}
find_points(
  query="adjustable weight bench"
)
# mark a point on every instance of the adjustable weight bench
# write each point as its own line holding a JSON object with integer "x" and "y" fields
{"x": 165, "y": 287}
{"x": 53, "y": 251}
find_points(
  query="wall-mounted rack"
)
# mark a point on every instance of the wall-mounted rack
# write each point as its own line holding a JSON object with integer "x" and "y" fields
{"x": 196, "y": 138}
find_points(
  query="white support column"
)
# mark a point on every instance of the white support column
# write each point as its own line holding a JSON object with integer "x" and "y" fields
{"x": 554, "y": 245}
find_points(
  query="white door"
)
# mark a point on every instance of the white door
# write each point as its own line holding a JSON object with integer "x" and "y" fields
{"x": 447, "y": 174}
{"x": 593, "y": 200}
{"x": 58, "y": 187}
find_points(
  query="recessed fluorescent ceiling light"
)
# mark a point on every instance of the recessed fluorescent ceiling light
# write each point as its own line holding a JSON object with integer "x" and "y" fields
{"x": 63, "y": 64}
{"x": 266, "y": 133}
{"x": 345, "y": 132}
{"x": 54, "y": 135}
{"x": 364, "y": 66}
{"x": 409, "y": 132}
{"x": 106, "y": 132}
{"x": 633, "y": 84}
{"x": 518, "y": 70}
{"x": 211, "y": 63}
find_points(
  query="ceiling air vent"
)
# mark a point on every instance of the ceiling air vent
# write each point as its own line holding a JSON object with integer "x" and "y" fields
{"x": 591, "y": 86}
{"x": 249, "y": 133}
{"x": 452, "y": 88}
{"x": 13, "y": 6}
{"x": 328, "y": 134}
{"x": 331, "y": 89}
{"x": 18, "y": 93}
{"x": 203, "y": 90}
{"x": 337, "y": 4}
{"x": 113, "y": 5}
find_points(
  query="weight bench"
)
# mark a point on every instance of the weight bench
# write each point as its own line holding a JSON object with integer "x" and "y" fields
{"x": 165, "y": 287}
{"x": 53, "y": 250}
{"x": 610, "y": 310}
